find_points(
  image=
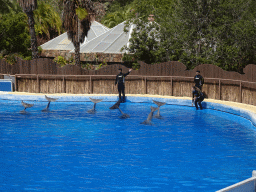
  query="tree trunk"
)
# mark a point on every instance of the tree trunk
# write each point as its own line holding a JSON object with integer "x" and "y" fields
{"x": 77, "y": 53}
{"x": 77, "y": 44}
{"x": 32, "y": 33}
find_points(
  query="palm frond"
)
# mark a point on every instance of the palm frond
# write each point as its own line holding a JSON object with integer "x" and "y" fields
{"x": 77, "y": 29}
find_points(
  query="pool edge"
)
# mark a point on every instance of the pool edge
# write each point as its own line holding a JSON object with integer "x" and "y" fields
{"x": 240, "y": 109}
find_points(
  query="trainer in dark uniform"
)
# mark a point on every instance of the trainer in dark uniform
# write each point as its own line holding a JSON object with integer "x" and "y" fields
{"x": 197, "y": 97}
{"x": 120, "y": 81}
{"x": 199, "y": 80}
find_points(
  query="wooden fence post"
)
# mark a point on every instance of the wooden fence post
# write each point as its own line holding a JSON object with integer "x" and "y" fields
{"x": 16, "y": 83}
{"x": 91, "y": 88}
{"x": 171, "y": 88}
{"x": 38, "y": 84}
{"x": 219, "y": 90}
{"x": 240, "y": 96}
{"x": 64, "y": 85}
{"x": 145, "y": 84}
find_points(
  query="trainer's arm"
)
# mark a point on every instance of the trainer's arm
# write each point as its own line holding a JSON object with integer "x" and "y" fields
{"x": 202, "y": 81}
{"x": 127, "y": 73}
{"x": 116, "y": 80}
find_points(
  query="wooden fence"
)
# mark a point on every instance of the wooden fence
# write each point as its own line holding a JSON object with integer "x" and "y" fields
{"x": 47, "y": 66}
{"x": 215, "y": 88}
{"x": 170, "y": 78}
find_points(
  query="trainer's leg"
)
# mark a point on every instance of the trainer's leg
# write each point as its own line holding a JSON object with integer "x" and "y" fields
{"x": 200, "y": 102}
{"x": 119, "y": 90}
{"x": 196, "y": 101}
{"x": 123, "y": 93}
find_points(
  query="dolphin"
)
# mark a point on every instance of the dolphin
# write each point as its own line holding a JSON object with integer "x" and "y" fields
{"x": 159, "y": 104}
{"x": 116, "y": 106}
{"x": 148, "y": 121}
{"x": 49, "y": 99}
{"x": 26, "y": 105}
{"x": 124, "y": 115}
{"x": 95, "y": 101}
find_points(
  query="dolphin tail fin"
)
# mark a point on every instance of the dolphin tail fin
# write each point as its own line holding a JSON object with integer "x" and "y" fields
{"x": 50, "y": 99}
{"x": 47, "y": 107}
{"x": 158, "y": 103}
{"x": 146, "y": 122}
{"x": 153, "y": 109}
{"x": 95, "y": 100}
{"x": 116, "y": 105}
{"x": 124, "y": 115}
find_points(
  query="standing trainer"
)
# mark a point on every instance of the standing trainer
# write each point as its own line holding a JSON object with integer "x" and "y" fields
{"x": 120, "y": 80}
{"x": 199, "y": 80}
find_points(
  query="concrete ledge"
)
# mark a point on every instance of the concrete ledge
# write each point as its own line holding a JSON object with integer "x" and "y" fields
{"x": 247, "y": 185}
{"x": 243, "y": 110}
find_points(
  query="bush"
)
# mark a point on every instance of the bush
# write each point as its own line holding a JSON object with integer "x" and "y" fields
{"x": 61, "y": 60}
{"x": 135, "y": 66}
{"x": 14, "y": 37}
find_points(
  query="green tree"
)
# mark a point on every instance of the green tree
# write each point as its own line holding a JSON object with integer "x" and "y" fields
{"x": 215, "y": 32}
{"x": 6, "y": 6}
{"x": 47, "y": 20}
{"x": 14, "y": 34}
{"x": 77, "y": 20}
{"x": 145, "y": 42}
{"x": 113, "y": 19}
{"x": 28, "y": 7}
{"x": 196, "y": 32}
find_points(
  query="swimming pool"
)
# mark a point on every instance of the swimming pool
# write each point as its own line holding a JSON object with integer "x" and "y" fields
{"x": 68, "y": 149}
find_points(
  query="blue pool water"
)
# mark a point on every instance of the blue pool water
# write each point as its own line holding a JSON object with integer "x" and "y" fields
{"x": 67, "y": 149}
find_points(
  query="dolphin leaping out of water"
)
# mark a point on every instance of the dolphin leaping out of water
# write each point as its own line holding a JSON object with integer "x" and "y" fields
{"x": 95, "y": 101}
{"x": 26, "y": 105}
{"x": 159, "y": 104}
{"x": 49, "y": 99}
{"x": 150, "y": 116}
{"x": 116, "y": 106}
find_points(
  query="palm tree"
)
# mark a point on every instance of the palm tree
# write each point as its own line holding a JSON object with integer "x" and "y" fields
{"x": 77, "y": 18}
{"x": 28, "y": 6}
{"x": 47, "y": 21}
{"x": 113, "y": 19}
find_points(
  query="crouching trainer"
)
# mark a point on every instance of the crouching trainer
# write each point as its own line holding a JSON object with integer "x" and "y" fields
{"x": 120, "y": 81}
{"x": 197, "y": 97}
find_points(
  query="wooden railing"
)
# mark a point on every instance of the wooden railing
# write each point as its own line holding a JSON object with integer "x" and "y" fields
{"x": 215, "y": 88}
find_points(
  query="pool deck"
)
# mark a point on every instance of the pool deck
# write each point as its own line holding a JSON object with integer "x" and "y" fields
{"x": 244, "y": 110}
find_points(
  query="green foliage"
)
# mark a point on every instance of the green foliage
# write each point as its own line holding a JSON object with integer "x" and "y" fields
{"x": 118, "y": 16}
{"x": 46, "y": 19}
{"x": 8, "y": 6}
{"x": 40, "y": 49}
{"x": 103, "y": 64}
{"x": 61, "y": 60}
{"x": 135, "y": 66}
{"x": 14, "y": 34}
{"x": 81, "y": 13}
{"x": 11, "y": 58}
{"x": 214, "y": 32}
{"x": 197, "y": 32}
{"x": 145, "y": 43}
{"x": 88, "y": 66}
